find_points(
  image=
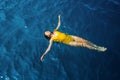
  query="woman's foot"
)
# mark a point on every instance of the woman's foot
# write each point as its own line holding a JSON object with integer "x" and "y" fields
{"x": 101, "y": 49}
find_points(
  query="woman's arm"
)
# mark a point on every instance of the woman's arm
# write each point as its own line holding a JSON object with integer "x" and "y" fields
{"x": 48, "y": 49}
{"x": 59, "y": 23}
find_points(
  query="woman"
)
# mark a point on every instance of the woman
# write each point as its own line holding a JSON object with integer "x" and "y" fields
{"x": 71, "y": 40}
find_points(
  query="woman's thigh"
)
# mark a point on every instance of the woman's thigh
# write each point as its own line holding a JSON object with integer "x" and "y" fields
{"x": 78, "y": 39}
{"x": 74, "y": 43}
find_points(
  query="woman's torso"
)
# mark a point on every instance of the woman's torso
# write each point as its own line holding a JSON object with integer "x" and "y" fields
{"x": 61, "y": 37}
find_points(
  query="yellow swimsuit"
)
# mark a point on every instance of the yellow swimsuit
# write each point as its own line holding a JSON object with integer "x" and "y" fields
{"x": 61, "y": 37}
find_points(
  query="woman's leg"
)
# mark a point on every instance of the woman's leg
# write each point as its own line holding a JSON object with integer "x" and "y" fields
{"x": 84, "y": 43}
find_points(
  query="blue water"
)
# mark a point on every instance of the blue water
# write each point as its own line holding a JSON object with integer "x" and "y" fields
{"x": 22, "y": 41}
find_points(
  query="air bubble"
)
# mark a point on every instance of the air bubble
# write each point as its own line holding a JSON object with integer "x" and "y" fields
{"x": 1, "y": 76}
{"x": 26, "y": 27}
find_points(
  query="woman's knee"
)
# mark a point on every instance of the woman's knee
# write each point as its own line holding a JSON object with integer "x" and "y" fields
{"x": 73, "y": 44}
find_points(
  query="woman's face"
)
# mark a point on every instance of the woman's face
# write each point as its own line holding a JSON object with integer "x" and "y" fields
{"x": 48, "y": 33}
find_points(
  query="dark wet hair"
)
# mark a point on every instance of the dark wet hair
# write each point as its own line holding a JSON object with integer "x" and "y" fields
{"x": 47, "y": 37}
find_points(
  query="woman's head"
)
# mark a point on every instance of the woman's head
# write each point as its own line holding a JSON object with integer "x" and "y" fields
{"x": 48, "y": 34}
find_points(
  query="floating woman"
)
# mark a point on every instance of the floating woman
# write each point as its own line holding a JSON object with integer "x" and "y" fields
{"x": 57, "y": 36}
